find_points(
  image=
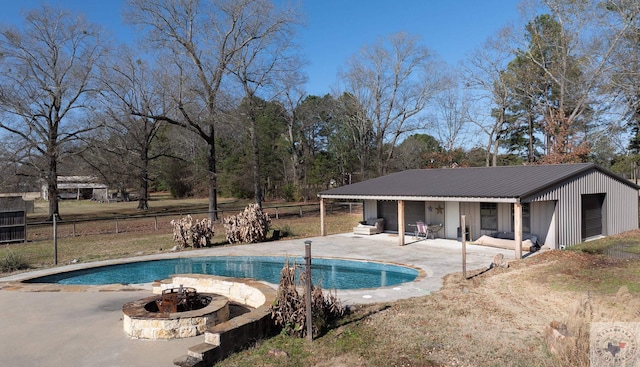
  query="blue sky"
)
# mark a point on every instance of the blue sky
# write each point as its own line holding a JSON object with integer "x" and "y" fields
{"x": 336, "y": 29}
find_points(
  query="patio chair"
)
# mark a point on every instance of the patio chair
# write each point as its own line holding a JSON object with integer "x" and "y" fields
{"x": 421, "y": 230}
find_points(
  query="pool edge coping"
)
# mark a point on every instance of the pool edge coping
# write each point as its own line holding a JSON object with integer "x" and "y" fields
{"x": 18, "y": 282}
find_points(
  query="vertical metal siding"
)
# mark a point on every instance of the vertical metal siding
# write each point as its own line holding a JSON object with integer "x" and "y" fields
{"x": 471, "y": 211}
{"x": 452, "y": 219}
{"x": 370, "y": 209}
{"x": 621, "y": 204}
{"x": 504, "y": 218}
{"x": 542, "y": 224}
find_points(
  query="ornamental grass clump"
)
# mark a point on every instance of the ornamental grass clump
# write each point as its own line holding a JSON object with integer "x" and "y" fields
{"x": 289, "y": 309}
{"x": 250, "y": 226}
{"x": 13, "y": 261}
{"x": 190, "y": 233}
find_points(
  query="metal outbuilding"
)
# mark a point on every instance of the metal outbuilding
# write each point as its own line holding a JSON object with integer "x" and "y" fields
{"x": 561, "y": 205}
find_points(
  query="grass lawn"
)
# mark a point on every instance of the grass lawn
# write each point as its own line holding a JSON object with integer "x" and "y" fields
{"x": 500, "y": 318}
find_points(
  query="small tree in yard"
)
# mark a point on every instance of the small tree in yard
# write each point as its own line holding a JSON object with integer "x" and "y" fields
{"x": 250, "y": 226}
{"x": 187, "y": 233}
{"x": 289, "y": 309}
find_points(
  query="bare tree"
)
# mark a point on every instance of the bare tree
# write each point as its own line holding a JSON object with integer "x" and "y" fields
{"x": 352, "y": 123}
{"x": 451, "y": 117}
{"x": 624, "y": 83}
{"x": 131, "y": 83}
{"x": 201, "y": 39}
{"x": 291, "y": 98}
{"x": 260, "y": 64}
{"x": 15, "y": 175}
{"x": 484, "y": 72}
{"x": 393, "y": 80}
{"x": 47, "y": 80}
{"x": 574, "y": 65}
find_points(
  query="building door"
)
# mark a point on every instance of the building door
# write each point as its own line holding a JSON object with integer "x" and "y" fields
{"x": 592, "y": 215}
{"x": 388, "y": 210}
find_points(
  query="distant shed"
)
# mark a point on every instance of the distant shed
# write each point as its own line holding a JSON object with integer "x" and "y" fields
{"x": 78, "y": 187}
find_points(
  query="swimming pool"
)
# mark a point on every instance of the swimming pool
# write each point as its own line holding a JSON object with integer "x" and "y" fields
{"x": 330, "y": 273}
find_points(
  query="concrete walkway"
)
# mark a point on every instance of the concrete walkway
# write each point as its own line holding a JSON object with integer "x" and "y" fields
{"x": 82, "y": 326}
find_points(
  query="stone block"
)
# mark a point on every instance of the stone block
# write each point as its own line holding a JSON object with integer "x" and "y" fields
{"x": 200, "y": 350}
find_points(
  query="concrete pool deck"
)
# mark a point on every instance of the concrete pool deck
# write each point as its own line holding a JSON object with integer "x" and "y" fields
{"x": 56, "y": 325}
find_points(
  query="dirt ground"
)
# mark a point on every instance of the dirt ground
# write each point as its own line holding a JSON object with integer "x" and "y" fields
{"x": 503, "y": 316}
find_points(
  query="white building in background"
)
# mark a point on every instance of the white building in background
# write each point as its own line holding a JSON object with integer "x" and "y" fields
{"x": 77, "y": 187}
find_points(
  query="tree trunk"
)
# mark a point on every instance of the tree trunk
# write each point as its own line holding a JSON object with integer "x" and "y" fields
{"x": 52, "y": 186}
{"x": 143, "y": 192}
{"x": 255, "y": 152}
{"x": 52, "y": 176}
{"x": 294, "y": 158}
{"x": 213, "y": 179}
{"x": 494, "y": 160}
{"x": 380, "y": 154}
{"x": 531, "y": 157}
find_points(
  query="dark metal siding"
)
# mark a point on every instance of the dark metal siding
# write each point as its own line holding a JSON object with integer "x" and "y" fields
{"x": 592, "y": 215}
{"x": 389, "y": 211}
{"x": 413, "y": 212}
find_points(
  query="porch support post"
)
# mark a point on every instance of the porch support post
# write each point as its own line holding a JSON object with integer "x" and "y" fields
{"x": 517, "y": 224}
{"x": 323, "y": 226}
{"x": 401, "y": 222}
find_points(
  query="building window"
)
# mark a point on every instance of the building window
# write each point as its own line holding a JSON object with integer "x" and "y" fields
{"x": 526, "y": 218}
{"x": 489, "y": 216}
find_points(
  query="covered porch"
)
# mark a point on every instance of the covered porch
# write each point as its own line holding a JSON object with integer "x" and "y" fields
{"x": 442, "y": 216}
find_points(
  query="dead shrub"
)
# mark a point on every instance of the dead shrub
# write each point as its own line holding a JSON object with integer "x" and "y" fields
{"x": 250, "y": 226}
{"x": 568, "y": 340}
{"x": 187, "y": 233}
{"x": 289, "y": 309}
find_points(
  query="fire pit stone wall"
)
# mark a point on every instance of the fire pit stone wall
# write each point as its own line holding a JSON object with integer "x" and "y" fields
{"x": 139, "y": 323}
{"x": 233, "y": 289}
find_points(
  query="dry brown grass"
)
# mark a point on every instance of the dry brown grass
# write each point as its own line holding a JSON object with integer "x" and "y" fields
{"x": 498, "y": 318}
{"x": 83, "y": 241}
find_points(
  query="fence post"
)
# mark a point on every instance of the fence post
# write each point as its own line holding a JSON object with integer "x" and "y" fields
{"x": 307, "y": 257}
{"x": 155, "y": 222}
{"x": 300, "y": 211}
{"x": 117, "y": 225}
{"x": 74, "y": 229}
{"x": 463, "y": 225}
{"x": 277, "y": 217}
{"x": 55, "y": 239}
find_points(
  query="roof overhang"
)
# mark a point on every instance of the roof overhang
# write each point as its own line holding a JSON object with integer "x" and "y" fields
{"x": 423, "y": 198}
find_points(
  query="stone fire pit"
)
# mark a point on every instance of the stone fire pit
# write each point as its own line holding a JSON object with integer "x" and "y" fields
{"x": 177, "y": 313}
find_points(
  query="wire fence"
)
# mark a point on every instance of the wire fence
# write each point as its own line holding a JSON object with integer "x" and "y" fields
{"x": 161, "y": 222}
